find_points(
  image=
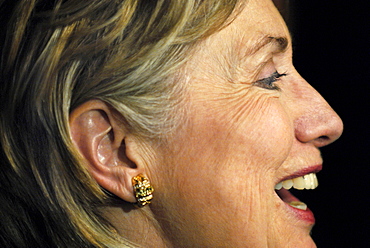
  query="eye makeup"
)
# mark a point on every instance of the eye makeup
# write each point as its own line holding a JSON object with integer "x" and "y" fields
{"x": 269, "y": 82}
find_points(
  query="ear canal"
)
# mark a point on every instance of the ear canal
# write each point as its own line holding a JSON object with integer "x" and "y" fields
{"x": 123, "y": 156}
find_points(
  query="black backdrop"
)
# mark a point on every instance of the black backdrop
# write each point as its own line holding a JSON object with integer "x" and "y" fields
{"x": 331, "y": 51}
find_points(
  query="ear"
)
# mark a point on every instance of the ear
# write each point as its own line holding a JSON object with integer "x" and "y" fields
{"x": 106, "y": 145}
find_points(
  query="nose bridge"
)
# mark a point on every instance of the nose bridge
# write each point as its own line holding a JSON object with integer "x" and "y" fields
{"x": 315, "y": 121}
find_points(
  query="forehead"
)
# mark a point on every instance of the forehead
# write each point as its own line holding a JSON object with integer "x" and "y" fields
{"x": 258, "y": 26}
{"x": 258, "y": 20}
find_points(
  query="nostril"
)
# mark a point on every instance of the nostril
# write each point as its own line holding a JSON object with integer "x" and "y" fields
{"x": 322, "y": 140}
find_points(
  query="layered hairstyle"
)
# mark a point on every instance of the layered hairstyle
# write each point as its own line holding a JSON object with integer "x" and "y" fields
{"x": 58, "y": 54}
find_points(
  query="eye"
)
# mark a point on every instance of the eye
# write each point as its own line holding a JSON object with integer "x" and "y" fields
{"x": 269, "y": 82}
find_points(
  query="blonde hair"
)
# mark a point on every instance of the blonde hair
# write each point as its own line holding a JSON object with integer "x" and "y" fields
{"x": 57, "y": 55}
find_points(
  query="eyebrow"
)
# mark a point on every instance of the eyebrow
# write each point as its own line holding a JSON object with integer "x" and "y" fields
{"x": 281, "y": 44}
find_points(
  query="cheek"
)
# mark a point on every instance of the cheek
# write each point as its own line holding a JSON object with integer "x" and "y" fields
{"x": 223, "y": 164}
{"x": 269, "y": 131}
{"x": 259, "y": 131}
{"x": 229, "y": 143}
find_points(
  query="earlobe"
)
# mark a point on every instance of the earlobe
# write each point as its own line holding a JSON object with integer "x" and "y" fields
{"x": 101, "y": 140}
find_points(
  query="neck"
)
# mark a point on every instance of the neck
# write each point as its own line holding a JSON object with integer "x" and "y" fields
{"x": 136, "y": 225}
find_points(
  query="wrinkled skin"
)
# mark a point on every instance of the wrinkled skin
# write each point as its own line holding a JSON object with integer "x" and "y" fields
{"x": 215, "y": 177}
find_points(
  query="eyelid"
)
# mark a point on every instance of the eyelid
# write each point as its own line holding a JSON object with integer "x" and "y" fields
{"x": 268, "y": 82}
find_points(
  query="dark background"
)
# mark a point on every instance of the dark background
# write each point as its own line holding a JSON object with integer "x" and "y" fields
{"x": 331, "y": 51}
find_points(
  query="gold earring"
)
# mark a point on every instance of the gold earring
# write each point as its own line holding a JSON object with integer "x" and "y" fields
{"x": 142, "y": 189}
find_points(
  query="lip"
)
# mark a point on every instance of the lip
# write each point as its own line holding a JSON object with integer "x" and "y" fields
{"x": 305, "y": 171}
{"x": 304, "y": 215}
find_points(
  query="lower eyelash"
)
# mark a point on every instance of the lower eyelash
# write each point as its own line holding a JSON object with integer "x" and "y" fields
{"x": 268, "y": 83}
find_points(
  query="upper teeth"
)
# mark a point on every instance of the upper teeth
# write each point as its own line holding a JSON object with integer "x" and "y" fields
{"x": 305, "y": 182}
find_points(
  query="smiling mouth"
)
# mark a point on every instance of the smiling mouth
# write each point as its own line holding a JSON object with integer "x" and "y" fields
{"x": 308, "y": 181}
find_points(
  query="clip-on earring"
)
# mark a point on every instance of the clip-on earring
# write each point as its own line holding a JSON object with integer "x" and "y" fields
{"x": 142, "y": 189}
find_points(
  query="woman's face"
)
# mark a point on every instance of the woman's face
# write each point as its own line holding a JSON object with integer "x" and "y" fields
{"x": 252, "y": 122}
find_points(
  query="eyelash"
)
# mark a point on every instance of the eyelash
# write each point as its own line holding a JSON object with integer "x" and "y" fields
{"x": 269, "y": 82}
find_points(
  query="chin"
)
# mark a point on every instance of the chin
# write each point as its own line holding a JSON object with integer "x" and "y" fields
{"x": 291, "y": 235}
{"x": 306, "y": 242}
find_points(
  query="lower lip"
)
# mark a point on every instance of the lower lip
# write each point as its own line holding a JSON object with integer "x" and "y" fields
{"x": 305, "y": 215}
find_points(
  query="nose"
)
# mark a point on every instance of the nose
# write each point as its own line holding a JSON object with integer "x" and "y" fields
{"x": 316, "y": 122}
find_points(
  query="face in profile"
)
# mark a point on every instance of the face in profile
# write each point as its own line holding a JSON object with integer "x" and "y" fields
{"x": 253, "y": 124}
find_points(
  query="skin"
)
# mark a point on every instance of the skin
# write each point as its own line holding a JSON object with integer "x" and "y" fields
{"x": 240, "y": 139}
{"x": 214, "y": 177}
